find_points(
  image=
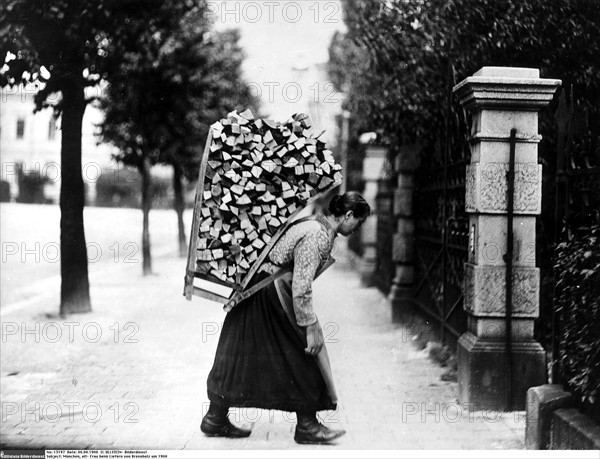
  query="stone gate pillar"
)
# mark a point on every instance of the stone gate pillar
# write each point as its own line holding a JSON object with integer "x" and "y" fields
{"x": 401, "y": 292}
{"x": 373, "y": 164}
{"x": 500, "y": 99}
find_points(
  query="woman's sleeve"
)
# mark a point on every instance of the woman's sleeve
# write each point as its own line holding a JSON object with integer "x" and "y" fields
{"x": 308, "y": 253}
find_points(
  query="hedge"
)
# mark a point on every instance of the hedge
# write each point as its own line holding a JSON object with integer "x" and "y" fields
{"x": 577, "y": 271}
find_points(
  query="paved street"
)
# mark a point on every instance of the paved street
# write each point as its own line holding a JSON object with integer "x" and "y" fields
{"x": 31, "y": 241}
{"x": 132, "y": 373}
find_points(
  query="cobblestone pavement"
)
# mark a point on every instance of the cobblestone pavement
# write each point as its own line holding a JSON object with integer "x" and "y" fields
{"x": 132, "y": 374}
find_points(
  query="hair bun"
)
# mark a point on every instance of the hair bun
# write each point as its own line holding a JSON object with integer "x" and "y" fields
{"x": 349, "y": 201}
{"x": 334, "y": 204}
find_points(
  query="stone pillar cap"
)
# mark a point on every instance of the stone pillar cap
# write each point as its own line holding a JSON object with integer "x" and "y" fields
{"x": 508, "y": 72}
{"x": 509, "y": 88}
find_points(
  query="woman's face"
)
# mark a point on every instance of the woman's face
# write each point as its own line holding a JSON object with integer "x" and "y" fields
{"x": 350, "y": 223}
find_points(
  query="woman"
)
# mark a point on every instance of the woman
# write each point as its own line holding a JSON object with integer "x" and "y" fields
{"x": 270, "y": 353}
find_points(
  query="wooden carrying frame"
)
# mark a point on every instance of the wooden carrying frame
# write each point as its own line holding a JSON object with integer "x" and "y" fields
{"x": 215, "y": 289}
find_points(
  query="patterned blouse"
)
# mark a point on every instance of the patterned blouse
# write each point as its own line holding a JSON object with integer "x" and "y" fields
{"x": 307, "y": 245}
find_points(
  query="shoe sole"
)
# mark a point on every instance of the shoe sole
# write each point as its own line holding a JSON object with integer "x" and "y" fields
{"x": 219, "y": 434}
{"x": 323, "y": 442}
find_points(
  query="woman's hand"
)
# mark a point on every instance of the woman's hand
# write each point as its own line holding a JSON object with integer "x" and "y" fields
{"x": 314, "y": 338}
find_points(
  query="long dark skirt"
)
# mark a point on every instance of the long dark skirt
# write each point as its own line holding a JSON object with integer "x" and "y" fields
{"x": 260, "y": 360}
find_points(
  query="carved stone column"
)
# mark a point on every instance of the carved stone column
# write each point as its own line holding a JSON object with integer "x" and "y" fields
{"x": 403, "y": 245}
{"x": 500, "y": 99}
{"x": 373, "y": 164}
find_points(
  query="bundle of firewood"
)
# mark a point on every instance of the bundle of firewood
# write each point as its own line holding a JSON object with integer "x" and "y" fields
{"x": 257, "y": 175}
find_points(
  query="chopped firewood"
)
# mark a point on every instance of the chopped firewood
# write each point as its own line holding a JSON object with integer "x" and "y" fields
{"x": 258, "y": 244}
{"x": 244, "y": 200}
{"x": 232, "y": 175}
{"x": 313, "y": 179}
{"x": 257, "y": 156}
{"x": 268, "y": 165}
{"x": 267, "y": 197}
{"x": 325, "y": 182}
{"x": 204, "y": 255}
{"x": 258, "y": 175}
{"x": 237, "y": 189}
{"x": 244, "y": 264}
{"x": 292, "y": 162}
{"x": 216, "y": 190}
{"x": 288, "y": 194}
{"x": 256, "y": 171}
{"x": 245, "y": 223}
{"x": 262, "y": 224}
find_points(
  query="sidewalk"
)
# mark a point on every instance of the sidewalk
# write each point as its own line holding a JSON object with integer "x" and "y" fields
{"x": 132, "y": 374}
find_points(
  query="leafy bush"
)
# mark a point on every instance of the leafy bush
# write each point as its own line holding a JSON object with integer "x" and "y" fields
{"x": 123, "y": 189}
{"x": 4, "y": 191}
{"x": 31, "y": 187}
{"x": 577, "y": 268}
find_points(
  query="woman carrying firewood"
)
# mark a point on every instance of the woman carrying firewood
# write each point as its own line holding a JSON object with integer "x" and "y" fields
{"x": 271, "y": 352}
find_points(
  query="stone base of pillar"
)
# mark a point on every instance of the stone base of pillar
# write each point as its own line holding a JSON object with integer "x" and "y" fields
{"x": 367, "y": 265}
{"x": 366, "y": 269}
{"x": 401, "y": 300}
{"x": 482, "y": 372}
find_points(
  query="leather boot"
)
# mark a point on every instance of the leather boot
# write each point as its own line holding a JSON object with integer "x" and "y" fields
{"x": 310, "y": 432}
{"x": 216, "y": 424}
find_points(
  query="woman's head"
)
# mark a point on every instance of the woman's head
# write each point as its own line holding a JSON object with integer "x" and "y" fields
{"x": 351, "y": 210}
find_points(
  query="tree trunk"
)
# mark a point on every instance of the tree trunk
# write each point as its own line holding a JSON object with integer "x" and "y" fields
{"x": 75, "y": 287}
{"x": 179, "y": 205}
{"x": 146, "y": 205}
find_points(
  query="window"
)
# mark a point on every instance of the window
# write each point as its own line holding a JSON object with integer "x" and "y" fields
{"x": 20, "y": 128}
{"x": 52, "y": 128}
